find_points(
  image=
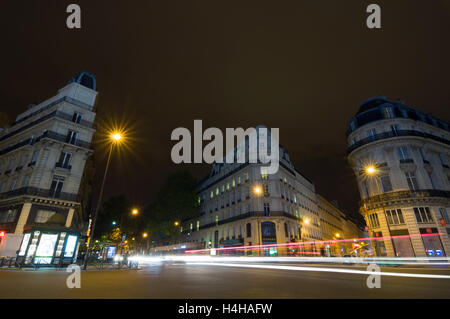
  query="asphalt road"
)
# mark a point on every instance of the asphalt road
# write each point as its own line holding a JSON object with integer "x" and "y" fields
{"x": 207, "y": 281}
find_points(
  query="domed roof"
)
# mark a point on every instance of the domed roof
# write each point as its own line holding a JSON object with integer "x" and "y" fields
{"x": 85, "y": 79}
{"x": 372, "y": 103}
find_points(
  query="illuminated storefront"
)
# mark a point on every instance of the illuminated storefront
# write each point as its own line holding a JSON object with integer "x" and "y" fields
{"x": 47, "y": 247}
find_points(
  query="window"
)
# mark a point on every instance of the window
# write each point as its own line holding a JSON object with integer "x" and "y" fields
{"x": 239, "y": 180}
{"x": 403, "y": 153}
{"x": 386, "y": 183}
{"x": 34, "y": 157}
{"x": 444, "y": 214}
{"x": 13, "y": 185}
{"x": 412, "y": 181}
{"x": 388, "y": 113}
{"x": 372, "y": 132}
{"x": 191, "y": 227}
{"x": 198, "y": 225}
{"x": 394, "y": 129}
{"x": 234, "y": 183}
{"x": 431, "y": 180}
{"x": 246, "y": 176}
{"x": 423, "y": 215}
{"x": 443, "y": 160}
{"x": 56, "y": 187}
{"x": 212, "y": 194}
{"x": 264, "y": 173}
{"x": 72, "y": 137}
{"x": 217, "y": 220}
{"x": 266, "y": 190}
{"x": 2, "y": 187}
{"x": 373, "y": 220}
{"x": 26, "y": 181}
{"x": 249, "y": 229}
{"x": 395, "y": 217}
{"x": 8, "y": 216}
{"x": 223, "y": 188}
{"x": 217, "y": 191}
{"x": 422, "y": 154}
{"x": 43, "y": 216}
{"x": 76, "y": 118}
{"x": 64, "y": 160}
{"x": 266, "y": 209}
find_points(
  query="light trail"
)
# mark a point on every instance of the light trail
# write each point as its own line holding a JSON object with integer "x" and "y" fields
{"x": 332, "y": 270}
{"x": 310, "y": 243}
{"x": 431, "y": 261}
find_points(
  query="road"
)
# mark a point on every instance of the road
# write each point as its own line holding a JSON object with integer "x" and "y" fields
{"x": 179, "y": 280}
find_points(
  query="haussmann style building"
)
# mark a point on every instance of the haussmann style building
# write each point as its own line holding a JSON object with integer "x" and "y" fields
{"x": 42, "y": 159}
{"x": 400, "y": 157}
{"x": 242, "y": 205}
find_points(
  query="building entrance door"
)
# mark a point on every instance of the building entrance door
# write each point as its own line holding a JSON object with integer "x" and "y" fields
{"x": 269, "y": 237}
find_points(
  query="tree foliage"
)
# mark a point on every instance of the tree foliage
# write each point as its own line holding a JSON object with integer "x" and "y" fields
{"x": 176, "y": 201}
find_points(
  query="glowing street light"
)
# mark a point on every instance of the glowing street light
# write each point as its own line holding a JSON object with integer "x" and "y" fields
{"x": 134, "y": 211}
{"x": 115, "y": 139}
{"x": 257, "y": 190}
{"x": 176, "y": 224}
{"x": 306, "y": 221}
{"x": 145, "y": 235}
{"x": 337, "y": 235}
{"x": 370, "y": 170}
{"x": 114, "y": 223}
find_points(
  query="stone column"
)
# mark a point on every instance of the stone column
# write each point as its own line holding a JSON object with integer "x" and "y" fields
{"x": 413, "y": 228}
{"x": 69, "y": 217}
{"x": 23, "y": 217}
{"x": 385, "y": 231}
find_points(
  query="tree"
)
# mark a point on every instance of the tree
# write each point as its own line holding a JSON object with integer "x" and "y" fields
{"x": 116, "y": 209}
{"x": 176, "y": 201}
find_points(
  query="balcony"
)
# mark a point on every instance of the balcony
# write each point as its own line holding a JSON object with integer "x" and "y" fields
{"x": 18, "y": 168}
{"x": 406, "y": 161}
{"x": 61, "y": 165}
{"x": 391, "y": 134}
{"x": 34, "y": 191}
{"x": 404, "y": 195}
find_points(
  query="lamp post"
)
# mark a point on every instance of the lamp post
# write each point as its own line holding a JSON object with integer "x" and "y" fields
{"x": 115, "y": 139}
{"x": 373, "y": 172}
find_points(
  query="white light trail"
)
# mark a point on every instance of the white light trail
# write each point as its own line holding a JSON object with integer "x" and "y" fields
{"x": 333, "y": 270}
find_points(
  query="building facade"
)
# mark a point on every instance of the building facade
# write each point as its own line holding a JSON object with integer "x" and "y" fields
{"x": 243, "y": 205}
{"x": 400, "y": 157}
{"x": 42, "y": 159}
{"x": 339, "y": 232}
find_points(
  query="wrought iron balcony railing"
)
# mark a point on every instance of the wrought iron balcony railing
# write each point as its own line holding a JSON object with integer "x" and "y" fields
{"x": 34, "y": 191}
{"x": 392, "y": 134}
{"x": 402, "y": 195}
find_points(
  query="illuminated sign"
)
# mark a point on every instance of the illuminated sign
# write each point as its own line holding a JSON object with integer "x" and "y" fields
{"x": 2, "y": 234}
{"x": 111, "y": 252}
{"x": 70, "y": 246}
{"x": 23, "y": 247}
{"x": 46, "y": 246}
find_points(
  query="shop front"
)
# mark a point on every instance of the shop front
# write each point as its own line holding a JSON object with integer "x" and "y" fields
{"x": 48, "y": 247}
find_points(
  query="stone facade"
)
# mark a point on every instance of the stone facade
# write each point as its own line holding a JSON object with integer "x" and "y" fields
{"x": 406, "y": 200}
{"x": 42, "y": 159}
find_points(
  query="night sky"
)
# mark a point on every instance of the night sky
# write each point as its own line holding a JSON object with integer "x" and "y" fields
{"x": 301, "y": 66}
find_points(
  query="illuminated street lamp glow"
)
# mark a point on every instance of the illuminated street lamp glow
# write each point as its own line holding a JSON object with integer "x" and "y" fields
{"x": 370, "y": 170}
{"x": 176, "y": 223}
{"x": 116, "y": 136}
{"x": 134, "y": 211}
{"x": 114, "y": 223}
{"x": 145, "y": 235}
{"x": 257, "y": 190}
{"x": 306, "y": 221}
{"x": 337, "y": 235}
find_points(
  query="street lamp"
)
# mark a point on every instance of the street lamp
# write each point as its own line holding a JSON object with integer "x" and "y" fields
{"x": 257, "y": 190}
{"x": 371, "y": 171}
{"x": 176, "y": 224}
{"x": 134, "y": 211}
{"x": 115, "y": 139}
